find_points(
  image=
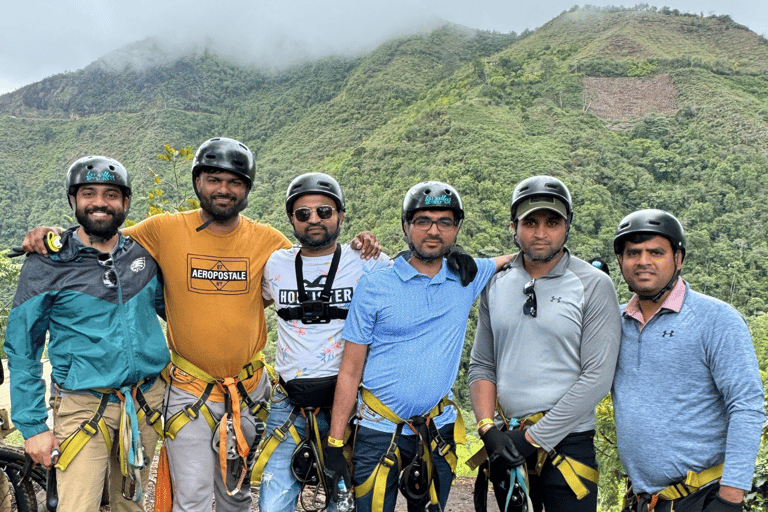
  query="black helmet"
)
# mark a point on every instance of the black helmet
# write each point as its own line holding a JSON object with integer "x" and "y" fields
{"x": 97, "y": 169}
{"x": 226, "y": 155}
{"x": 546, "y": 186}
{"x": 651, "y": 222}
{"x": 313, "y": 183}
{"x": 432, "y": 195}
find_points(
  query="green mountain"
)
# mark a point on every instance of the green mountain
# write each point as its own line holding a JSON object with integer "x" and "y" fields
{"x": 632, "y": 108}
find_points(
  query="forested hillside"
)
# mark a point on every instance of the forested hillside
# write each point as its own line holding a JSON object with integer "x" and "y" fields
{"x": 631, "y": 108}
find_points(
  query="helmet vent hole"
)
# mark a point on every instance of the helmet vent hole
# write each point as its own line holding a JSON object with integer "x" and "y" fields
{"x": 654, "y": 223}
{"x": 89, "y": 167}
{"x": 111, "y": 167}
{"x": 210, "y": 157}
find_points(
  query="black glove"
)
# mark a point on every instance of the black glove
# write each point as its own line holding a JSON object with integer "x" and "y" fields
{"x": 720, "y": 505}
{"x": 500, "y": 449}
{"x": 335, "y": 469}
{"x": 462, "y": 264}
{"x": 525, "y": 448}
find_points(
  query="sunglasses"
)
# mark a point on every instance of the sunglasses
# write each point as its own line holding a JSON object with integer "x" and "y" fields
{"x": 109, "y": 278}
{"x": 529, "y": 308}
{"x": 303, "y": 214}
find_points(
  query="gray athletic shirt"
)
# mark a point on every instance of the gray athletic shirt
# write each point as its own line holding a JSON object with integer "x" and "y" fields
{"x": 563, "y": 360}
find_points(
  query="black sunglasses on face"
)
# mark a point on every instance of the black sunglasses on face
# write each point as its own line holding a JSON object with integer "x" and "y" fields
{"x": 303, "y": 214}
{"x": 529, "y": 308}
{"x": 109, "y": 278}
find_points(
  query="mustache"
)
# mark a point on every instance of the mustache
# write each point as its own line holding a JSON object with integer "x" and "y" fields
{"x": 103, "y": 209}
{"x": 223, "y": 196}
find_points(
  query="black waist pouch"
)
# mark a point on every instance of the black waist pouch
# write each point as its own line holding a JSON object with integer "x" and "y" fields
{"x": 310, "y": 392}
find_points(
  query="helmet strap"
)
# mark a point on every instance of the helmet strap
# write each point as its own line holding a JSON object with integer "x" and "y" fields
{"x": 204, "y": 224}
{"x": 657, "y": 296}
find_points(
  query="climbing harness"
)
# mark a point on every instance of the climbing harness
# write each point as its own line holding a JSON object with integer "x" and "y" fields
{"x": 133, "y": 408}
{"x": 308, "y": 398}
{"x": 227, "y": 432}
{"x": 574, "y": 472}
{"x": 416, "y": 481}
{"x": 644, "y": 502}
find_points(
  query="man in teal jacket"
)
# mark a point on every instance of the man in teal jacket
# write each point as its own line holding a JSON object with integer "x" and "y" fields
{"x": 96, "y": 298}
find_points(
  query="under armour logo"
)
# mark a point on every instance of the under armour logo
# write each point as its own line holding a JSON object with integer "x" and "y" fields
{"x": 671, "y": 334}
{"x": 555, "y": 299}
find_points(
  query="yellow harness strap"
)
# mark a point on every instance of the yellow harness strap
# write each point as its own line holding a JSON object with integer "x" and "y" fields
{"x": 76, "y": 441}
{"x": 573, "y": 471}
{"x": 692, "y": 482}
{"x": 377, "y": 480}
{"x": 192, "y": 411}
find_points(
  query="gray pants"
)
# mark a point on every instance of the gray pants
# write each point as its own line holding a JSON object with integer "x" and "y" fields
{"x": 194, "y": 464}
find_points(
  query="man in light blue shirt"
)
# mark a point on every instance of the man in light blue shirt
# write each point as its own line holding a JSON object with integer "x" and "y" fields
{"x": 403, "y": 338}
{"x": 687, "y": 393}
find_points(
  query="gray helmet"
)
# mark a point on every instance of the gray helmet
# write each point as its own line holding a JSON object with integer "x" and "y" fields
{"x": 99, "y": 170}
{"x": 651, "y": 222}
{"x": 546, "y": 186}
{"x": 313, "y": 183}
{"x": 432, "y": 195}
{"x": 226, "y": 155}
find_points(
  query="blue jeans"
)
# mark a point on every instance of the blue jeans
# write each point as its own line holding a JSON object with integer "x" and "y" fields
{"x": 371, "y": 444}
{"x": 279, "y": 489}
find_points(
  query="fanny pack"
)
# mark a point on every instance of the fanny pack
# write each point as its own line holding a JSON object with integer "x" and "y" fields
{"x": 310, "y": 392}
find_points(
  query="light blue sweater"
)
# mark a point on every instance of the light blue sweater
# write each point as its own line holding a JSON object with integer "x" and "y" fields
{"x": 687, "y": 395}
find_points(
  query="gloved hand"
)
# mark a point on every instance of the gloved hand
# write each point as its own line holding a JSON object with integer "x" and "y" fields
{"x": 500, "y": 449}
{"x": 721, "y": 505}
{"x": 462, "y": 264}
{"x": 525, "y": 448}
{"x": 335, "y": 469}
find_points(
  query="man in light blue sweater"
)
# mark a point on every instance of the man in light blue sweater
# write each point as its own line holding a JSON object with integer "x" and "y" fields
{"x": 687, "y": 393}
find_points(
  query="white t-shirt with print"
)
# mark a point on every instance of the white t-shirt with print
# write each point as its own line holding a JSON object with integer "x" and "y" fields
{"x": 312, "y": 350}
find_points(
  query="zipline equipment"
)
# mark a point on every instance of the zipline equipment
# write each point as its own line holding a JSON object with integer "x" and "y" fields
{"x": 133, "y": 408}
{"x": 416, "y": 481}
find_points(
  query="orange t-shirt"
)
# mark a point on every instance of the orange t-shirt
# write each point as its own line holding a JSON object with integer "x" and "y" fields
{"x": 212, "y": 290}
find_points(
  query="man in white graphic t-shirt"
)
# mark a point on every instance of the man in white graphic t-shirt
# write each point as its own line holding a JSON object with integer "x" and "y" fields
{"x": 311, "y": 286}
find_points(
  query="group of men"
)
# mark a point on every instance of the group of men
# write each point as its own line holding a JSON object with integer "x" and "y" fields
{"x": 367, "y": 352}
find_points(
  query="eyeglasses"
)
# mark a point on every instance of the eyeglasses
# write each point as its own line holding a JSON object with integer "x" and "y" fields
{"x": 529, "y": 308}
{"x": 425, "y": 224}
{"x": 303, "y": 214}
{"x": 109, "y": 278}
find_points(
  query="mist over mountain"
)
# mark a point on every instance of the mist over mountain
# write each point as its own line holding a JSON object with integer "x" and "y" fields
{"x": 630, "y": 107}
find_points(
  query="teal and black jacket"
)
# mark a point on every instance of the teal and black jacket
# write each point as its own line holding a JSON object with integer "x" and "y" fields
{"x": 100, "y": 335}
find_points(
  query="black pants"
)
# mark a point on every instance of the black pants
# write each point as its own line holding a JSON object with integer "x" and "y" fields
{"x": 694, "y": 502}
{"x": 549, "y": 490}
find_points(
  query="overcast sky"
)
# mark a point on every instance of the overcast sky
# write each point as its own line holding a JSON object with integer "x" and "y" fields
{"x": 41, "y": 38}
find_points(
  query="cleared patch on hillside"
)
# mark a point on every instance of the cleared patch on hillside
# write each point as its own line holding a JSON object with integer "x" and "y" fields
{"x": 619, "y": 46}
{"x": 623, "y": 99}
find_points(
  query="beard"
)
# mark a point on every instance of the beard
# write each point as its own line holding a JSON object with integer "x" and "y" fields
{"x": 317, "y": 242}
{"x": 219, "y": 214}
{"x": 104, "y": 229}
{"x": 429, "y": 257}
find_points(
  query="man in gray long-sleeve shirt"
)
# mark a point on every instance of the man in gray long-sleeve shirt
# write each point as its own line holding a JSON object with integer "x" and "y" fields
{"x": 547, "y": 341}
{"x": 687, "y": 396}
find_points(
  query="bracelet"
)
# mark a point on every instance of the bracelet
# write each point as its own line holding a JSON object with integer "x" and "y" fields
{"x": 336, "y": 443}
{"x": 482, "y": 423}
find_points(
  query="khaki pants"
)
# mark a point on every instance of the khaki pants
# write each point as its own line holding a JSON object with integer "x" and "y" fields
{"x": 81, "y": 486}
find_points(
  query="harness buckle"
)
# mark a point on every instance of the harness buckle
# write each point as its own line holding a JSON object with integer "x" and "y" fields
{"x": 389, "y": 460}
{"x": 90, "y": 427}
{"x": 154, "y": 417}
{"x": 191, "y": 412}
